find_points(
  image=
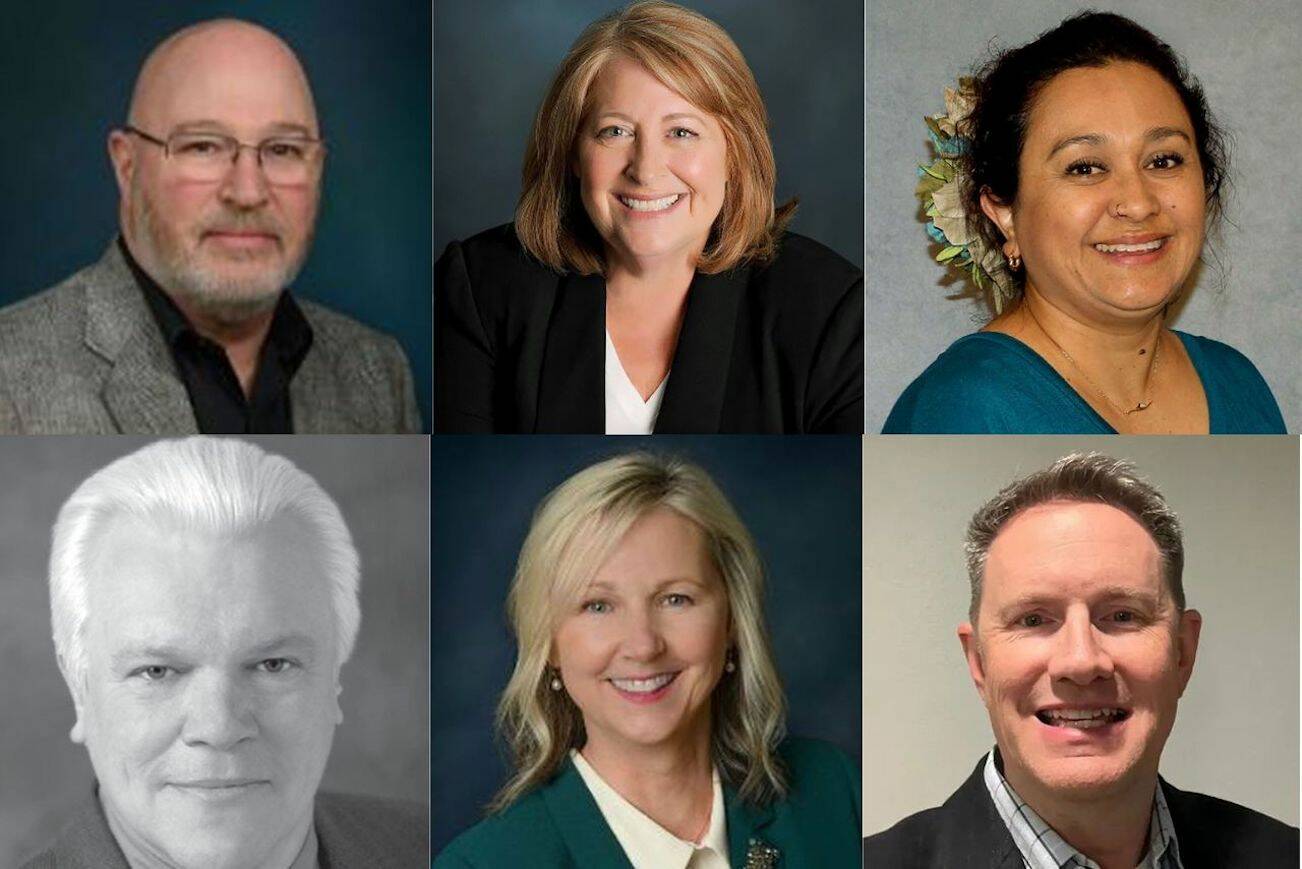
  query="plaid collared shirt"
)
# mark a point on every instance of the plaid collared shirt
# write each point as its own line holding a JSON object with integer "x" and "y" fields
{"x": 1042, "y": 848}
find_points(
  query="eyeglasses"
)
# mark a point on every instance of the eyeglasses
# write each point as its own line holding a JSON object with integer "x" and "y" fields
{"x": 285, "y": 160}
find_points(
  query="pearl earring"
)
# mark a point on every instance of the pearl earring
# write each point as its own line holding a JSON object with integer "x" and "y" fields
{"x": 556, "y": 683}
{"x": 730, "y": 666}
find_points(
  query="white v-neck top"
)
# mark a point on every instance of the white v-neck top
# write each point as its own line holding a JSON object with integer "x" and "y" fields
{"x": 626, "y": 412}
{"x": 649, "y": 845}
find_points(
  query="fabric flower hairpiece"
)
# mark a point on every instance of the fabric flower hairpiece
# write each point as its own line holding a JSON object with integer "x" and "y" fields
{"x": 940, "y": 188}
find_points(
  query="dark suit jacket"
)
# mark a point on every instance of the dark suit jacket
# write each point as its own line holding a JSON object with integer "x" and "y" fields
{"x": 967, "y": 831}
{"x": 772, "y": 349}
{"x": 352, "y": 832}
{"x": 560, "y": 826}
{"x": 87, "y": 357}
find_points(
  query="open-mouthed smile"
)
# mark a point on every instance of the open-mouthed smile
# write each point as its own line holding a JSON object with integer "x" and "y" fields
{"x": 1082, "y": 719}
{"x": 663, "y": 203}
{"x": 644, "y": 690}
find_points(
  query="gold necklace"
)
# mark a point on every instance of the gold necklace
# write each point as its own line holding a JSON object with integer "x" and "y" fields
{"x": 1143, "y": 404}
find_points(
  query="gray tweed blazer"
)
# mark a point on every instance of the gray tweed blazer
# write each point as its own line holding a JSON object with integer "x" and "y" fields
{"x": 87, "y": 357}
{"x": 352, "y": 833}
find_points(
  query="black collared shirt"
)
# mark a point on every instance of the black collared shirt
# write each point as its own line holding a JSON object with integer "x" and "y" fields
{"x": 218, "y": 400}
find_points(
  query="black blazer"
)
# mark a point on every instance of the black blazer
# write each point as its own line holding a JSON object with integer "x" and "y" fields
{"x": 967, "y": 831}
{"x": 772, "y": 349}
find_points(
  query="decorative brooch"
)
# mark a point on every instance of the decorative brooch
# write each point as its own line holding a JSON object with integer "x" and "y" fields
{"x": 761, "y": 855}
{"x": 940, "y": 188}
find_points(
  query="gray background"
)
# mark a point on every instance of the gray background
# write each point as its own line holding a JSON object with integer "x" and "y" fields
{"x": 380, "y": 483}
{"x": 68, "y": 68}
{"x": 1236, "y": 735}
{"x": 799, "y": 497}
{"x": 1246, "y": 56}
{"x": 494, "y": 60}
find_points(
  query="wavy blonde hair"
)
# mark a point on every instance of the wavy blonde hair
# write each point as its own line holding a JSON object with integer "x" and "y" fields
{"x": 574, "y": 531}
{"x": 694, "y": 57}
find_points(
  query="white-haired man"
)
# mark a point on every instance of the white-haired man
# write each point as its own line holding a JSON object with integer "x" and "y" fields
{"x": 204, "y": 598}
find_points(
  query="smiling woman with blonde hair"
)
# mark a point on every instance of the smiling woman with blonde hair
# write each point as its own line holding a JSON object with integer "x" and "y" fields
{"x": 648, "y": 282}
{"x": 644, "y": 716}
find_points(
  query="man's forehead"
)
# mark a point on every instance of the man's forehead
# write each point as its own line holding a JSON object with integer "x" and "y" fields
{"x": 226, "y": 69}
{"x": 1074, "y": 547}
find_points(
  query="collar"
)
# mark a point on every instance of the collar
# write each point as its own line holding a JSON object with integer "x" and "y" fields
{"x": 646, "y": 843}
{"x": 290, "y": 335}
{"x": 1043, "y": 848}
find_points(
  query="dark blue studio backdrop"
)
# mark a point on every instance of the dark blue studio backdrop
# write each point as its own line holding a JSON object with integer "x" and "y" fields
{"x": 494, "y": 59}
{"x": 68, "y": 68}
{"x": 800, "y": 498}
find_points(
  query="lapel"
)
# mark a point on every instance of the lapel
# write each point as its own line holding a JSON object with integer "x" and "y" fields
{"x": 328, "y": 395}
{"x": 693, "y": 398}
{"x": 746, "y": 824}
{"x": 571, "y": 385}
{"x": 571, "y": 392}
{"x": 585, "y": 832}
{"x": 141, "y": 390}
{"x": 975, "y": 828}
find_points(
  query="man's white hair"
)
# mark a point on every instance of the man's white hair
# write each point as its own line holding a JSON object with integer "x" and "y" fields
{"x": 218, "y": 485}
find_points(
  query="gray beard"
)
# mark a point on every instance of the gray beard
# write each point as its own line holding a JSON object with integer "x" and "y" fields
{"x": 226, "y": 301}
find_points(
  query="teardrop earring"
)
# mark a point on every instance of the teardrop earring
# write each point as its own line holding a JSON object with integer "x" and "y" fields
{"x": 556, "y": 683}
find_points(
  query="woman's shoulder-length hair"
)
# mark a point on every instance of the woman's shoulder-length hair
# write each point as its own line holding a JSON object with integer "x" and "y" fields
{"x": 693, "y": 56}
{"x": 574, "y": 531}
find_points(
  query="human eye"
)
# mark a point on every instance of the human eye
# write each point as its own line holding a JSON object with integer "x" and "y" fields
{"x": 614, "y": 131}
{"x": 676, "y": 599}
{"x": 275, "y": 666}
{"x": 285, "y": 149}
{"x": 596, "y": 607}
{"x": 1084, "y": 168}
{"x": 683, "y": 133}
{"x": 1170, "y": 160}
{"x": 153, "y": 672}
{"x": 199, "y": 146}
{"x": 1031, "y": 620}
{"x": 1125, "y": 617}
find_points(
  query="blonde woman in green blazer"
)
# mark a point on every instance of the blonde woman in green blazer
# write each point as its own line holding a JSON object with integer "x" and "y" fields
{"x": 644, "y": 714}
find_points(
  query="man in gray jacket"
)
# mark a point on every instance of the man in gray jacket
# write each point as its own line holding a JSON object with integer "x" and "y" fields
{"x": 186, "y": 324}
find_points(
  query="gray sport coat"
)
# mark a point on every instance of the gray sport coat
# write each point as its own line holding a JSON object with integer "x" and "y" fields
{"x": 352, "y": 832}
{"x": 87, "y": 357}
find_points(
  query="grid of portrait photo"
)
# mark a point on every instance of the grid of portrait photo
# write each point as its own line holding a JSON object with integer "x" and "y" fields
{"x": 651, "y": 434}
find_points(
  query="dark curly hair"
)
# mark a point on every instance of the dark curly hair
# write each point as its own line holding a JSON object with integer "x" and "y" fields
{"x": 1007, "y": 85}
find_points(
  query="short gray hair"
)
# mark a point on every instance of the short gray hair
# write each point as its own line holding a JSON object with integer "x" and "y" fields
{"x": 220, "y": 485}
{"x": 1080, "y": 477}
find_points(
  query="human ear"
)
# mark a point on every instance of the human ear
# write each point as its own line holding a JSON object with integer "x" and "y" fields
{"x": 1001, "y": 214}
{"x": 967, "y": 637}
{"x": 1187, "y": 634}
{"x": 122, "y": 155}
{"x": 76, "y": 687}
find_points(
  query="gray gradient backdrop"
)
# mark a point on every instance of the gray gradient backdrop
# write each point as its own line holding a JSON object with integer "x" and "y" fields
{"x": 69, "y": 66}
{"x": 799, "y": 496}
{"x": 494, "y": 60}
{"x": 382, "y": 486}
{"x": 1236, "y": 735}
{"x": 1246, "y": 56}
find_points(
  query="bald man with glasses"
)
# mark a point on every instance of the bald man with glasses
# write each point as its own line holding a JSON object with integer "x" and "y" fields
{"x": 186, "y": 323}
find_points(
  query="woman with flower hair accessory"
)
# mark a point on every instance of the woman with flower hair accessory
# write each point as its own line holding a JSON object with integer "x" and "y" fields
{"x": 1075, "y": 181}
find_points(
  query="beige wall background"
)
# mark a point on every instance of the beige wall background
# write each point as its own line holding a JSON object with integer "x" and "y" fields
{"x": 1236, "y": 734}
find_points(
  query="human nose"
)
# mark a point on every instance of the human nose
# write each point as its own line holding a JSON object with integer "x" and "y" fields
{"x": 1078, "y": 655}
{"x": 1134, "y": 196}
{"x": 217, "y": 712}
{"x": 244, "y": 184}
{"x": 646, "y": 161}
{"x": 643, "y": 639}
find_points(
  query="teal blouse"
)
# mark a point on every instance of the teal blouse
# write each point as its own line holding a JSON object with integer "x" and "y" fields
{"x": 558, "y": 826}
{"x": 991, "y": 383}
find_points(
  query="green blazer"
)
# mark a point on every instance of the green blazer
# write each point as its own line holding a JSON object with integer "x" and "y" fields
{"x": 559, "y": 825}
